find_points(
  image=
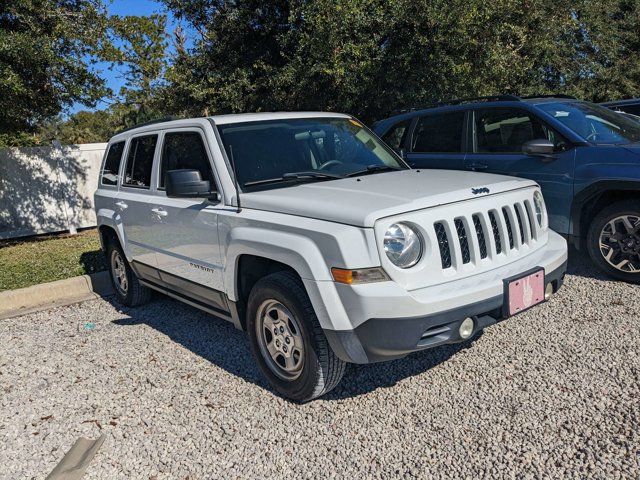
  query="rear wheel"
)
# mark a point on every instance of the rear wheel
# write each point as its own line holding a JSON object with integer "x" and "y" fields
{"x": 125, "y": 283}
{"x": 613, "y": 240}
{"x": 287, "y": 340}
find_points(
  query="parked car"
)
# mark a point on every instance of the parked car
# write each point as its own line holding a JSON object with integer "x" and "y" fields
{"x": 306, "y": 231}
{"x": 585, "y": 158}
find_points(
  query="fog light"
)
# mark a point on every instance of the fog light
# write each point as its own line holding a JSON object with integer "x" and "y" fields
{"x": 548, "y": 291}
{"x": 466, "y": 328}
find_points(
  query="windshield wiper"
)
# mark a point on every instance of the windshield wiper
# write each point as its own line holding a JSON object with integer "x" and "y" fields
{"x": 311, "y": 175}
{"x": 373, "y": 169}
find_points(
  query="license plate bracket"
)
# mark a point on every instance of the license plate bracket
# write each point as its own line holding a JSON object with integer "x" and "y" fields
{"x": 523, "y": 291}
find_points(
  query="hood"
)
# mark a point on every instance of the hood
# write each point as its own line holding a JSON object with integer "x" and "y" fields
{"x": 360, "y": 201}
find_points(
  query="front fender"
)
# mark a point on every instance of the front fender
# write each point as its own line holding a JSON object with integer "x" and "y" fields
{"x": 297, "y": 251}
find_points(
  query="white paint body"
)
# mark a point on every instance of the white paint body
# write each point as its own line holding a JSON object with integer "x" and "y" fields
{"x": 314, "y": 227}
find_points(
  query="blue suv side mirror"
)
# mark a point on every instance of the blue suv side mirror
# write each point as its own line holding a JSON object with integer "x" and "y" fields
{"x": 540, "y": 148}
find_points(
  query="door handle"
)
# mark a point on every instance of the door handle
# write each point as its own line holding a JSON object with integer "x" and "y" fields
{"x": 122, "y": 205}
{"x": 477, "y": 166}
{"x": 160, "y": 212}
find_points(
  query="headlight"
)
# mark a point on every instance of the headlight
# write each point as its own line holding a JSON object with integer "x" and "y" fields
{"x": 403, "y": 245}
{"x": 538, "y": 203}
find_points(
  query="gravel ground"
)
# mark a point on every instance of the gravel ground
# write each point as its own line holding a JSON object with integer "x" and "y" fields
{"x": 552, "y": 393}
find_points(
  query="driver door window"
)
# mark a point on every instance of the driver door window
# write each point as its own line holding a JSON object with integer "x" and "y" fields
{"x": 184, "y": 150}
{"x": 506, "y": 130}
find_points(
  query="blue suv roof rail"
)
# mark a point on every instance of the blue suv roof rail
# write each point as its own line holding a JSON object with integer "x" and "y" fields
{"x": 459, "y": 101}
{"x": 555, "y": 95}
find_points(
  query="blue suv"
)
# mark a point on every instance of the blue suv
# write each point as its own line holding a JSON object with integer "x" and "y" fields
{"x": 585, "y": 157}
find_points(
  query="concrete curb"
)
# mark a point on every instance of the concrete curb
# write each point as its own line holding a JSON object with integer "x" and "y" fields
{"x": 54, "y": 294}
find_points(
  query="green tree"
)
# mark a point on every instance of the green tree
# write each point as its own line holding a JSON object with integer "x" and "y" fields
{"x": 371, "y": 57}
{"x": 45, "y": 55}
{"x": 139, "y": 44}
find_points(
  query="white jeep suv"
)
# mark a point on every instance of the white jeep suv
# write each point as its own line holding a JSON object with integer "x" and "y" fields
{"x": 309, "y": 233}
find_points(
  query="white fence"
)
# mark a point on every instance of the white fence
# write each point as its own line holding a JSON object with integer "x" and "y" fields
{"x": 47, "y": 189}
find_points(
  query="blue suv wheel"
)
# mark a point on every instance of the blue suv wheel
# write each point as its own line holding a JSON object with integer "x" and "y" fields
{"x": 613, "y": 240}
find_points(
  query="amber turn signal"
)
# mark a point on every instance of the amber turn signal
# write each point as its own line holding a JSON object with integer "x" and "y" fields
{"x": 361, "y": 275}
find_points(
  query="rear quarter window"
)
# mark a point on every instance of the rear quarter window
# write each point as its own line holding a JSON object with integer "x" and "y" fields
{"x": 395, "y": 137}
{"x": 439, "y": 133}
{"x": 111, "y": 167}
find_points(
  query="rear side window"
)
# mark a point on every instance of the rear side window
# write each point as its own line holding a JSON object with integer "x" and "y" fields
{"x": 140, "y": 161}
{"x": 109, "y": 174}
{"x": 185, "y": 150}
{"x": 395, "y": 137}
{"x": 439, "y": 133}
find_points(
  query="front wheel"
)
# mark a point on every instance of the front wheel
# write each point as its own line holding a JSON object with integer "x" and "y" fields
{"x": 287, "y": 340}
{"x": 613, "y": 240}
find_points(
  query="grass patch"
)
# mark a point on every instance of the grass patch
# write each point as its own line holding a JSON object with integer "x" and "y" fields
{"x": 47, "y": 258}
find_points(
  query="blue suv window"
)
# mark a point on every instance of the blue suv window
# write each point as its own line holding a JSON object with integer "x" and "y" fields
{"x": 440, "y": 133}
{"x": 396, "y": 136}
{"x": 506, "y": 130}
{"x": 594, "y": 123}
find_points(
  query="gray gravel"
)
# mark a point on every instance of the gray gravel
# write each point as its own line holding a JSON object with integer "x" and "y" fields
{"x": 552, "y": 393}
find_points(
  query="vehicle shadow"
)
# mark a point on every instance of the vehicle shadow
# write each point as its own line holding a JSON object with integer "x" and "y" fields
{"x": 580, "y": 265}
{"x": 218, "y": 342}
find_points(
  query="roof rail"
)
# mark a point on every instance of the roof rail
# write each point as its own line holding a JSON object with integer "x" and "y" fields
{"x": 554, "y": 95}
{"x": 150, "y": 122}
{"x": 459, "y": 101}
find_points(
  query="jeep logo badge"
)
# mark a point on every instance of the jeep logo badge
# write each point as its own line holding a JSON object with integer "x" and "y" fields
{"x": 476, "y": 191}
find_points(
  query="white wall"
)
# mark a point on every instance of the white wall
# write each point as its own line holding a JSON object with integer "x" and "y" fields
{"x": 46, "y": 189}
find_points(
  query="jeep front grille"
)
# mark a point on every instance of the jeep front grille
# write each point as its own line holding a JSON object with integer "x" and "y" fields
{"x": 443, "y": 243}
{"x": 504, "y": 230}
{"x": 507, "y": 221}
{"x": 496, "y": 232}
{"x": 516, "y": 208}
{"x": 462, "y": 238}
{"x": 482, "y": 243}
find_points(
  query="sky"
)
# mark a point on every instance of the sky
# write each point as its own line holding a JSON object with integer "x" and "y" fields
{"x": 113, "y": 76}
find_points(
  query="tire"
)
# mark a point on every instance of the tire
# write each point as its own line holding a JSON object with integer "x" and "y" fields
{"x": 622, "y": 246}
{"x": 131, "y": 293}
{"x": 279, "y": 302}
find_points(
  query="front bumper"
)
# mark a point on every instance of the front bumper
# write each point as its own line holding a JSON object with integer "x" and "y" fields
{"x": 432, "y": 317}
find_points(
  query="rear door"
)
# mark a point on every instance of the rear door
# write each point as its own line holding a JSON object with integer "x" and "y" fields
{"x": 438, "y": 141}
{"x": 185, "y": 230}
{"x": 133, "y": 203}
{"x": 498, "y": 134}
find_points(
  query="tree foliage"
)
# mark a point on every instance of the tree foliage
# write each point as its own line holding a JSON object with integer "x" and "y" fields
{"x": 371, "y": 57}
{"x": 45, "y": 48}
{"x": 139, "y": 45}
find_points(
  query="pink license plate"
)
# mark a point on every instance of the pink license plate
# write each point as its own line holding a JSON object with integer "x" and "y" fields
{"x": 526, "y": 292}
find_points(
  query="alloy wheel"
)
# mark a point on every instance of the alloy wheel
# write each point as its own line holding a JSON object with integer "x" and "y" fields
{"x": 620, "y": 243}
{"x": 119, "y": 272}
{"x": 280, "y": 339}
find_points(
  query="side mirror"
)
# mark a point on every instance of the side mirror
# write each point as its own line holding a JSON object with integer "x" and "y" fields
{"x": 186, "y": 184}
{"x": 540, "y": 148}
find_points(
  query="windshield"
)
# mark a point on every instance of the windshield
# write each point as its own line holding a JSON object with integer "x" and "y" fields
{"x": 278, "y": 152}
{"x": 594, "y": 123}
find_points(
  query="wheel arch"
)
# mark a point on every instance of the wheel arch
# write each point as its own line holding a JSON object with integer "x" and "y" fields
{"x": 588, "y": 202}
{"x": 254, "y": 253}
